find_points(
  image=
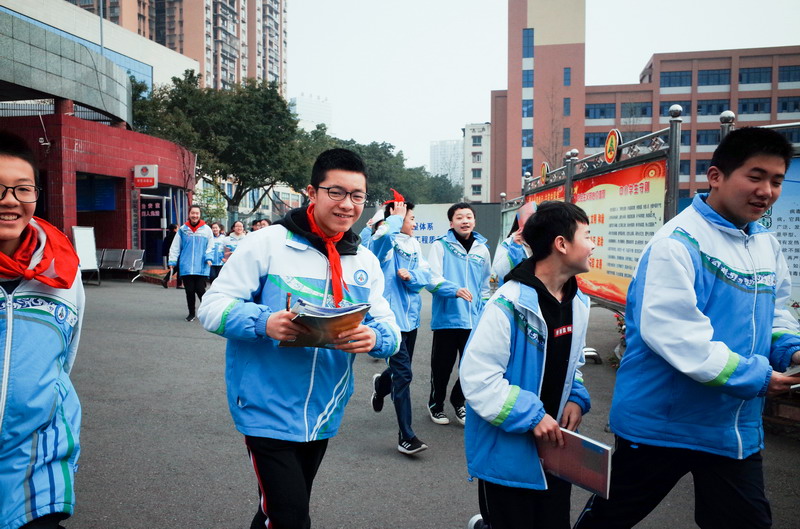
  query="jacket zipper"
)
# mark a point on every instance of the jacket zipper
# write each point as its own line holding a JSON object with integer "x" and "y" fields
{"x": 466, "y": 272}
{"x": 7, "y": 356}
{"x": 752, "y": 333}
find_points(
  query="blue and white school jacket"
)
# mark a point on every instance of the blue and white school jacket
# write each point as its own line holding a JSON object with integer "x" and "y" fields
{"x": 40, "y": 415}
{"x": 289, "y": 393}
{"x": 501, "y": 375}
{"x": 231, "y": 243}
{"x": 394, "y": 251}
{"x": 217, "y": 250}
{"x": 453, "y": 268}
{"x": 706, "y": 324}
{"x": 508, "y": 255}
{"x": 189, "y": 250}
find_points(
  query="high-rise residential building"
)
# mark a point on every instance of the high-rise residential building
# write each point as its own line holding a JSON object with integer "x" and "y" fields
{"x": 477, "y": 162}
{"x": 447, "y": 159}
{"x": 231, "y": 39}
{"x": 311, "y": 111}
{"x": 547, "y": 51}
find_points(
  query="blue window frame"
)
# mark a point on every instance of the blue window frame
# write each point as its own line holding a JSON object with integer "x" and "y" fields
{"x": 710, "y": 107}
{"x": 789, "y": 104}
{"x": 680, "y": 78}
{"x": 601, "y": 111}
{"x": 663, "y": 107}
{"x": 527, "y": 166}
{"x": 566, "y": 136}
{"x": 755, "y": 75}
{"x": 567, "y": 76}
{"x": 527, "y": 108}
{"x": 594, "y": 139}
{"x": 788, "y": 74}
{"x": 567, "y": 106}
{"x": 527, "y": 78}
{"x": 792, "y": 135}
{"x": 755, "y": 105}
{"x": 527, "y": 137}
{"x": 713, "y": 77}
{"x": 708, "y": 137}
{"x": 642, "y": 109}
{"x": 527, "y": 43}
{"x": 701, "y": 167}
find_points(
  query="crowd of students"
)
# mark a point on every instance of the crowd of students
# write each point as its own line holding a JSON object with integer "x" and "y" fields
{"x": 519, "y": 350}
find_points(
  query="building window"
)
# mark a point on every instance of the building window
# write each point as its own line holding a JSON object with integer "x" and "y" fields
{"x": 527, "y": 78}
{"x": 567, "y": 76}
{"x": 789, "y": 104}
{"x": 788, "y": 74}
{"x": 681, "y": 78}
{"x": 701, "y": 167}
{"x": 710, "y": 107}
{"x": 643, "y": 109}
{"x": 527, "y": 43}
{"x": 663, "y": 109}
{"x": 477, "y": 157}
{"x": 527, "y": 166}
{"x": 567, "y": 106}
{"x": 527, "y": 108}
{"x": 594, "y": 139}
{"x": 708, "y": 137}
{"x": 476, "y": 141}
{"x": 477, "y": 173}
{"x": 476, "y": 189}
{"x": 601, "y": 111}
{"x": 792, "y": 135}
{"x": 755, "y": 105}
{"x": 685, "y": 167}
{"x": 527, "y": 137}
{"x": 755, "y": 75}
{"x": 566, "y": 141}
{"x": 713, "y": 77}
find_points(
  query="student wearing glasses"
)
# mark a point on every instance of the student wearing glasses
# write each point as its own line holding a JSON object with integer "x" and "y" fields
{"x": 288, "y": 402}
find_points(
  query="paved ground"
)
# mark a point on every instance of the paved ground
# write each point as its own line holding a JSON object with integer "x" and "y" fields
{"x": 160, "y": 450}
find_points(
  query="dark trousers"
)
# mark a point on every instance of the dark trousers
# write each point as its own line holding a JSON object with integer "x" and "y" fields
{"x": 48, "y": 521}
{"x": 285, "y": 471}
{"x": 448, "y": 344}
{"x": 215, "y": 269}
{"x": 176, "y": 272}
{"x": 515, "y": 508}
{"x": 396, "y": 379}
{"x": 728, "y": 493}
{"x": 194, "y": 285}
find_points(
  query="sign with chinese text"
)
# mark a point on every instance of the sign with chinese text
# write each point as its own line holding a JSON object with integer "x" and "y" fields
{"x": 145, "y": 176}
{"x": 783, "y": 219}
{"x": 150, "y": 213}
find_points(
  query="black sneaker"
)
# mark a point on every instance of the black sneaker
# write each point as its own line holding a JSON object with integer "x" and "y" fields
{"x": 438, "y": 417}
{"x": 190, "y": 317}
{"x": 377, "y": 400}
{"x": 411, "y": 446}
{"x": 476, "y": 522}
{"x": 461, "y": 414}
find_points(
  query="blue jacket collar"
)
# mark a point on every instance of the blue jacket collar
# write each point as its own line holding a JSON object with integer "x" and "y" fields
{"x": 451, "y": 237}
{"x": 707, "y": 212}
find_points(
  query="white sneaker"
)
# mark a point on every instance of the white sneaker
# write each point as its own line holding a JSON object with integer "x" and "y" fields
{"x": 438, "y": 417}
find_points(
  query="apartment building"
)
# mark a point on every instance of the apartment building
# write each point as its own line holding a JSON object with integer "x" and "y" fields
{"x": 447, "y": 159}
{"x": 477, "y": 162}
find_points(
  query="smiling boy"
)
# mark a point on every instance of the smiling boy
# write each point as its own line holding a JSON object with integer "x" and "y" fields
{"x": 708, "y": 334}
{"x": 41, "y": 308}
{"x": 289, "y": 401}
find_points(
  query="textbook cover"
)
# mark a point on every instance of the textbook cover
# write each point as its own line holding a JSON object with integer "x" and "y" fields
{"x": 581, "y": 461}
{"x": 325, "y": 323}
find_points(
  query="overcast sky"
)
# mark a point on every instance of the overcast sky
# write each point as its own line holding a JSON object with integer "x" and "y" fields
{"x": 413, "y": 71}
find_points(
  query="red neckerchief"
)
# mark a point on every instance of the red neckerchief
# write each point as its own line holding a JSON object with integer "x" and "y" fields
{"x": 397, "y": 197}
{"x": 333, "y": 256}
{"x": 195, "y": 228}
{"x": 57, "y": 250}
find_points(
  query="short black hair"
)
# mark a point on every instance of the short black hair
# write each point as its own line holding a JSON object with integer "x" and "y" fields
{"x": 255, "y": 221}
{"x": 387, "y": 210}
{"x": 16, "y": 147}
{"x": 193, "y": 206}
{"x": 172, "y": 227}
{"x": 332, "y": 159}
{"x": 458, "y": 205}
{"x": 742, "y": 144}
{"x": 552, "y": 218}
{"x": 235, "y": 222}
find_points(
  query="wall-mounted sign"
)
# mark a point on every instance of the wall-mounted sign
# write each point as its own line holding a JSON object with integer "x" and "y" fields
{"x": 544, "y": 170}
{"x": 145, "y": 176}
{"x": 613, "y": 140}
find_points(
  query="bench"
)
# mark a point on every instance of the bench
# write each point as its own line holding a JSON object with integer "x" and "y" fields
{"x": 122, "y": 261}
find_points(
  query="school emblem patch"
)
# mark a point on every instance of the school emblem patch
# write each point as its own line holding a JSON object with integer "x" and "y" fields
{"x": 60, "y": 313}
{"x": 361, "y": 277}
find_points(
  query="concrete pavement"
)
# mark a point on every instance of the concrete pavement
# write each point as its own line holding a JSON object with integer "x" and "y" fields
{"x": 159, "y": 449}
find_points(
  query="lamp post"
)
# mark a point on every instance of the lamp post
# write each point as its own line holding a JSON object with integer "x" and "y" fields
{"x": 526, "y": 180}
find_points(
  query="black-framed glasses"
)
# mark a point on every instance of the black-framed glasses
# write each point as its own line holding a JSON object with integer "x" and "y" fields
{"x": 338, "y": 194}
{"x": 23, "y": 193}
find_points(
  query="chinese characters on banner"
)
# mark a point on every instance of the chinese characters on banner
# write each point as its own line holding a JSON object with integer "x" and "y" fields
{"x": 150, "y": 213}
{"x": 783, "y": 219}
{"x": 625, "y": 209}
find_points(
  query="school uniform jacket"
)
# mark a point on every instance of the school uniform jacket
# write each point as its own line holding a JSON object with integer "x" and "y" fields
{"x": 190, "y": 250}
{"x": 40, "y": 415}
{"x": 706, "y": 324}
{"x": 293, "y": 394}
{"x": 508, "y": 255}
{"x": 501, "y": 376}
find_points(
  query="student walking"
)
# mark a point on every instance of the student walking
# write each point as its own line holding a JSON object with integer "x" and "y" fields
{"x": 193, "y": 241}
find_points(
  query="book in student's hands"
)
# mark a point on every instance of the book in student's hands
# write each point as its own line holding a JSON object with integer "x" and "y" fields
{"x": 325, "y": 323}
{"x": 581, "y": 461}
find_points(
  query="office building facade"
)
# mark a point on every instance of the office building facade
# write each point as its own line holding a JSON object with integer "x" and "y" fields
{"x": 477, "y": 162}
